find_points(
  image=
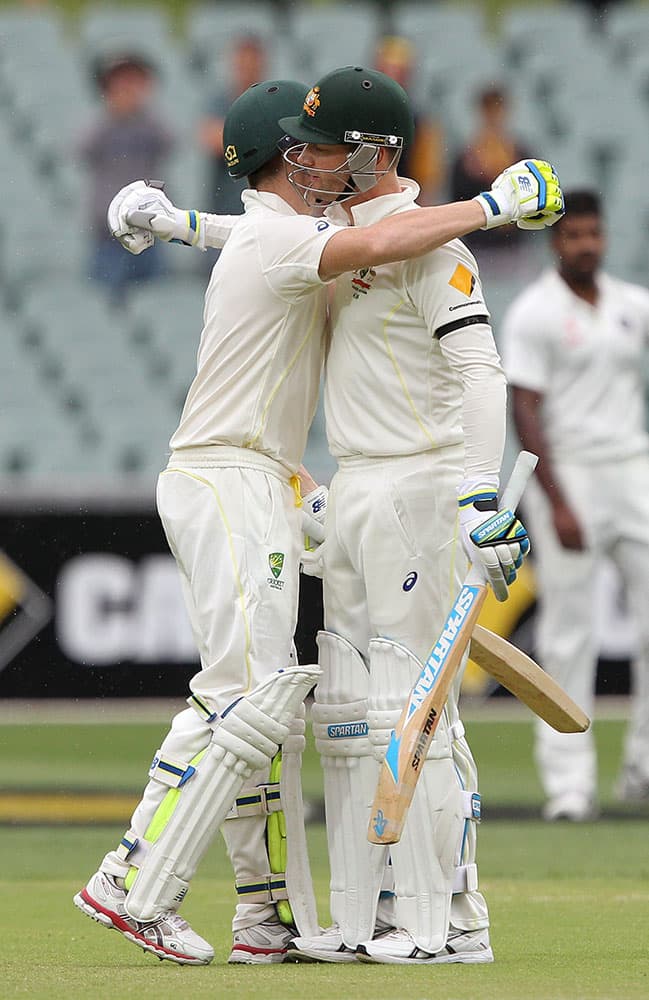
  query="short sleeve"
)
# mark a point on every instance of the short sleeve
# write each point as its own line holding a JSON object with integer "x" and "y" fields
{"x": 290, "y": 248}
{"x": 525, "y": 346}
{"x": 445, "y": 288}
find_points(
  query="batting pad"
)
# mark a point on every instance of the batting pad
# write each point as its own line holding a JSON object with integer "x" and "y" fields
{"x": 350, "y": 776}
{"x": 245, "y": 738}
{"x": 427, "y": 858}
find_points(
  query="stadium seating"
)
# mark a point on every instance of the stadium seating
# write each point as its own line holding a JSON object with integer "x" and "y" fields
{"x": 90, "y": 390}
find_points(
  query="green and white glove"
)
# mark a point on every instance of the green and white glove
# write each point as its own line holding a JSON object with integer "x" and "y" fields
{"x": 527, "y": 193}
{"x": 143, "y": 208}
{"x": 493, "y": 539}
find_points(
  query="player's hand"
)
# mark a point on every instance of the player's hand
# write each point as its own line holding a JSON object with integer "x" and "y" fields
{"x": 144, "y": 207}
{"x": 313, "y": 512}
{"x": 493, "y": 539}
{"x": 132, "y": 239}
{"x": 527, "y": 193}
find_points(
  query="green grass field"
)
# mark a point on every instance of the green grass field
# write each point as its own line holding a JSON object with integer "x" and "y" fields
{"x": 569, "y": 904}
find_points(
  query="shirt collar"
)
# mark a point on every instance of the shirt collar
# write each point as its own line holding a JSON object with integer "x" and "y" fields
{"x": 376, "y": 208}
{"x": 252, "y": 199}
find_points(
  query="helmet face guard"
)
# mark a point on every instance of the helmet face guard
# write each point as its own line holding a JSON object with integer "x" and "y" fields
{"x": 355, "y": 107}
{"x": 358, "y": 170}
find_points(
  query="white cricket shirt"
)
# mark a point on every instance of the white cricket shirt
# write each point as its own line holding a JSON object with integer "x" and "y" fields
{"x": 587, "y": 361}
{"x": 262, "y": 345}
{"x": 412, "y": 364}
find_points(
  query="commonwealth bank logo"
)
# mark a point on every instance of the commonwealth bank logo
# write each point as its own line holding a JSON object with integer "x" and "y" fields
{"x": 24, "y": 610}
{"x": 276, "y": 563}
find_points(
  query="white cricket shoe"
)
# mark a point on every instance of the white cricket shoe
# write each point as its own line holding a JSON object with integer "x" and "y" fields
{"x": 632, "y": 786}
{"x": 576, "y": 807}
{"x": 398, "y": 948}
{"x": 168, "y": 937}
{"x": 261, "y": 944}
{"x": 325, "y": 947}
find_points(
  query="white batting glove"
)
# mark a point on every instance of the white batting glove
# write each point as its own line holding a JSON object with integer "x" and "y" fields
{"x": 132, "y": 239}
{"x": 144, "y": 207}
{"x": 493, "y": 539}
{"x": 314, "y": 509}
{"x": 527, "y": 193}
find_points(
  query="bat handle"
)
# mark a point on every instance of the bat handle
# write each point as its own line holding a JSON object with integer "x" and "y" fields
{"x": 523, "y": 469}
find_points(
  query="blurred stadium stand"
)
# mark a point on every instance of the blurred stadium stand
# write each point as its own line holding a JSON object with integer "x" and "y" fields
{"x": 90, "y": 391}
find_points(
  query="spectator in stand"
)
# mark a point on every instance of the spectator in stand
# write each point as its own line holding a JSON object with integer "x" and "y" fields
{"x": 491, "y": 149}
{"x": 247, "y": 66}
{"x": 127, "y": 140}
{"x": 425, "y": 160}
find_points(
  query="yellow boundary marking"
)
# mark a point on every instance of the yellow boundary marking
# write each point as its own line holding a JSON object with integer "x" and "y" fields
{"x": 65, "y": 807}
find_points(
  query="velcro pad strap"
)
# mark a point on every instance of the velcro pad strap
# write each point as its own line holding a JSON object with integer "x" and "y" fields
{"x": 132, "y": 848}
{"x": 168, "y": 771}
{"x": 202, "y": 709}
{"x": 456, "y": 730}
{"x": 466, "y": 878}
{"x": 472, "y": 806}
{"x": 261, "y": 801}
{"x": 263, "y": 889}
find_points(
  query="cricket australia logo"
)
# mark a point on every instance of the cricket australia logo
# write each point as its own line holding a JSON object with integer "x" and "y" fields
{"x": 312, "y": 101}
{"x": 276, "y": 564}
{"x": 362, "y": 281}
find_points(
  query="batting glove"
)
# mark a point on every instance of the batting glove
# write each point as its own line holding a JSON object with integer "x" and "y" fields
{"x": 144, "y": 207}
{"x": 528, "y": 193}
{"x": 314, "y": 509}
{"x": 132, "y": 239}
{"x": 496, "y": 542}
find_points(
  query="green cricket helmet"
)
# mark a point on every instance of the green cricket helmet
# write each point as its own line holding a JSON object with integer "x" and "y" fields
{"x": 363, "y": 108}
{"x": 251, "y": 132}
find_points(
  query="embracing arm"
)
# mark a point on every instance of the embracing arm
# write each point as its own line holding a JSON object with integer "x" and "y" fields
{"x": 527, "y": 193}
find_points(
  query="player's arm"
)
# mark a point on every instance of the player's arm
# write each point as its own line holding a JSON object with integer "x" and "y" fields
{"x": 527, "y": 193}
{"x": 313, "y": 499}
{"x": 527, "y": 410}
{"x": 141, "y": 211}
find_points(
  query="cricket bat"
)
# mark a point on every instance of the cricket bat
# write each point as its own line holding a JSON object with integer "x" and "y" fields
{"x": 410, "y": 741}
{"x": 518, "y": 672}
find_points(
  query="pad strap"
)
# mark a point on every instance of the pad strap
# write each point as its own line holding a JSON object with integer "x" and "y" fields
{"x": 167, "y": 771}
{"x": 262, "y": 889}
{"x": 133, "y": 848}
{"x": 466, "y": 878}
{"x": 202, "y": 709}
{"x": 472, "y": 806}
{"x": 261, "y": 802}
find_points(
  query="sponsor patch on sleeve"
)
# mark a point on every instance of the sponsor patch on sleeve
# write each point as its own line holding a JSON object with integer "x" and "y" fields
{"x": 462, "y": 279}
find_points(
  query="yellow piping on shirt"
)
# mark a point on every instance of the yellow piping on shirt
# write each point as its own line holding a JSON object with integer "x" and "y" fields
{"x": 399, "y": 375}
{"x": 253, "y": 440}
{"x": 237, "y": 578}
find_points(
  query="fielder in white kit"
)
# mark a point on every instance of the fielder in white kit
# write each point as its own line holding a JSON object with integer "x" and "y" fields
{"x": 575, "y": 348}
{"x": 229, "y": 510}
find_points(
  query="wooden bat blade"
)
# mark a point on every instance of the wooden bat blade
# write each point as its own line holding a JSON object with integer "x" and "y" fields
{"x": 419, "y": 719}
{"x": 518, "y": 672}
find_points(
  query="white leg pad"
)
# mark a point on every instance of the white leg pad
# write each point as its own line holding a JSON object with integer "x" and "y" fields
{"x": 426, "y": 859}
{"x": 298, "y": 870}
{"x": 350, "y": 777}
{"x": 245, "y": 739}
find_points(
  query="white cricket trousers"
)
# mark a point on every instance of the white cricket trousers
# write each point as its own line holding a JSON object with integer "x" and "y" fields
{"x": 611, "y": 501}
{"x": 394, "y": 563}
{"x": 230, "y": 518}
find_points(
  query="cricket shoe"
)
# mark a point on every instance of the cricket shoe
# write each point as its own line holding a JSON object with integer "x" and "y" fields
{"x": 632, "y": 786}
{"x": 399, "y": 948}
{"x": 168, "y": 937}
{"x": 325, "y": 947}
{"x": 261, "y": 944}
{"x": 572, "y": 806}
